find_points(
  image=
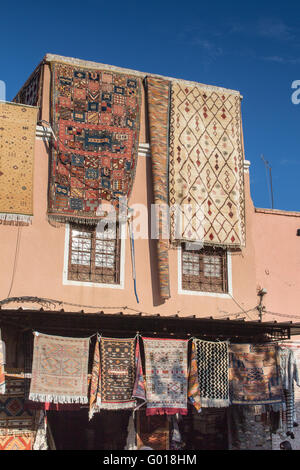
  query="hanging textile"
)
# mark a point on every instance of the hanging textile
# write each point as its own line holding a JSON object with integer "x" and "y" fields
{"x": 290, "y": 374}
{"x": 40, "y": 441}
{"x": 116, "y": 377}
{"x": 131, "y": 435}
{"x": 213, "y": 376}
{"x": 31, "y": 92}
{"x": 17, "y": 141}
{"x": 206, "y": 166}
{"x": 14, "y": 415}
{"x": 254, "y": 376}
{"x": 166, "y": 376}
{"x": 59, "y": 369}
{"x": 249, "y": 429}
{"x": 158, "y": 101}
{"x": 153, "y": 432}
{"x": 18, "y": 425}
{"x": 20, "y": 441}
{"x": 2, "y": 366}
{"x": 96, "y": 119}
{"x": 193, "y": 383}
{"x": 139, "y": 389}
{"x": 95, "y": 396}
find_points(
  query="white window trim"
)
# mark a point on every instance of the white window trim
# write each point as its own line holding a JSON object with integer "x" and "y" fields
{"x": 68, "y": 282}
{"x": 227, "y": 295}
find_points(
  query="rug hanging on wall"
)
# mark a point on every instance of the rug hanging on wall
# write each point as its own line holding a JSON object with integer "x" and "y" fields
{"x": 254, "y": 376}
{"x": 117, "y": 373}
{"x": 206, "y": 166}
{"x": 31, "y": 91}
{"x": 13, "y": 413}
{"x": 158, "y": 101}
{"x": 17, "y": 141}
{"x": 139, "y": 389}
{"x": 290, "y": 372}
{"x": 17, "y": 442}
{"x": 166, "y": 376}
{"x": 94, "y": 394}
{"x": 213, "y": 365}
{"x": 2, "y": 366}
{"x": 96, "y": 118}
{"x": 193, "y": 380}
{"x": 59, "y": 369}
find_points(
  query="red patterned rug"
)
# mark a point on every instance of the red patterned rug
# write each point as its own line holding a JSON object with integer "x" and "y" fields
{"x": 96, "y": 118}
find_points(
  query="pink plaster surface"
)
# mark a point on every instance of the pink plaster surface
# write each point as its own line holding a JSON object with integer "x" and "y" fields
{"x": 271, "y": 258}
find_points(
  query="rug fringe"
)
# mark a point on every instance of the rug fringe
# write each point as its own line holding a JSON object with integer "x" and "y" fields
{"x": 57, "y": 398}
{"x": 214, "y": 403}
{"x": 117, "y": 406}
{"x": 15, "y": 219}
{"x": 76, "y": 220}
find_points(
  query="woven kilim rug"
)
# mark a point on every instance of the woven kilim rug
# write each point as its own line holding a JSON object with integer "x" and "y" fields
{"x": 289, "y": 356}
{"x": 13, "y": 413}
{"x": 158, "y": 101}
{"x": 166, "y": 376}
{"x": 193, "y": 381}
{"x": 95, "y": 381}
{"x": 206, "y": 166}
{"x": 2, "y": 367}
{"x": 17, "y": 442}
{"x": 17, "y": 140}
{"x": 59, "y": 369}
{"x": 96, "y": 118}
{"x": 117, "y": 373}
{"x": 213, "y": 376}
{"x": 254, "y": 374}
{"x": 31, "y": 91}
{"x": 139, "y": 389}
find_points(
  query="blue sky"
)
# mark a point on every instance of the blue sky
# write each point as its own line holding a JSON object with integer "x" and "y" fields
{"x": 253, "y": 47}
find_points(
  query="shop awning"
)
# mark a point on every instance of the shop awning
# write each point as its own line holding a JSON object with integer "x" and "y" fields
{"x": 121, "y": 324}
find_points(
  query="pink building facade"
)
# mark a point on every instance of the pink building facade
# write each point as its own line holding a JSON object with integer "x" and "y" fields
{"x": 270, "y": 260}
{"x": 36, "y": 264}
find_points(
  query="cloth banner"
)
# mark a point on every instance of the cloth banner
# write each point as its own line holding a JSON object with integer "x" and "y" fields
{"x": 96, "y": 119}
{"x": 213, "y": 372}
{"x": 166, "y": 376}
{"x": 158, "y": 101}
{"x": 206, "y": 187}
{"x": 254, "y": 375}
{"x": 59, "y": 369}
{"x": 17, "y": 141}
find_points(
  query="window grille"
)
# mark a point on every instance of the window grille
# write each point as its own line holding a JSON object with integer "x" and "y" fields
{"x": 94, "y": 256}
{"x": 204, "y": 270}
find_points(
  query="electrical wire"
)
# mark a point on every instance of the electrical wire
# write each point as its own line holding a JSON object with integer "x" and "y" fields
{"x": 15, "y": 261}
{"x": 101, "y": 308}
{"x": 286, "y": 315}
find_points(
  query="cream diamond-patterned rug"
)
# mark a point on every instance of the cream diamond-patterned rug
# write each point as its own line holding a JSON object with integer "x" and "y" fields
{"x": 206, "y": 166}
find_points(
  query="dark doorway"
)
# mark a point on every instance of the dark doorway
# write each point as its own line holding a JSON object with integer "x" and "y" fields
{"x": 72, "y": 430}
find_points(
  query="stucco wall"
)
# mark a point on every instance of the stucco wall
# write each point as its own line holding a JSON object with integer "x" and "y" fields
{"x": 34, "y": 256}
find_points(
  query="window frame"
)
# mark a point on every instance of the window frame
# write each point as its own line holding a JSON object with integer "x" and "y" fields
{"x": 183, "y": 291}
{"x": 93, "y": 283}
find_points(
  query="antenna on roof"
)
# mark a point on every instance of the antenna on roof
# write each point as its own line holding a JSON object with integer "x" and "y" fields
{"x": 269, "y": 179}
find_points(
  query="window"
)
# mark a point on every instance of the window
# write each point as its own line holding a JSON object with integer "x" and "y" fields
{"x": 94, "y": 256}
{"x": 204, "y": 270}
